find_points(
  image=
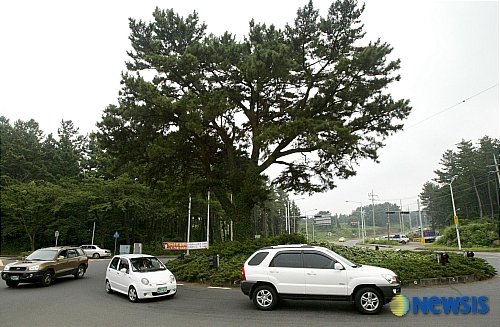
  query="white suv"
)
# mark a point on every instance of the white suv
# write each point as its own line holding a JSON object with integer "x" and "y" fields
{"x": 315, "y": 273}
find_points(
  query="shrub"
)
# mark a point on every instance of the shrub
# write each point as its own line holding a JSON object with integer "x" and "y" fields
{"x": 476, "y": 233}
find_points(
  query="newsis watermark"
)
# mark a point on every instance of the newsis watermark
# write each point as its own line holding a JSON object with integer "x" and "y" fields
{"x": 436, "y": 305}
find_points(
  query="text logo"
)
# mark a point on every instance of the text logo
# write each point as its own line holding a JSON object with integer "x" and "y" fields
{"x": 400, "y": 305}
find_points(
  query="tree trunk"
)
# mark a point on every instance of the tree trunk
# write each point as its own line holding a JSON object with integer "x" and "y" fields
{"x": 478, "y": 198}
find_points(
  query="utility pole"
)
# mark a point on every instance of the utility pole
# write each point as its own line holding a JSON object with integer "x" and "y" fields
{"x": 455, "y": 217}
{"x": 420, "y": 221}
{"x": 373, "y": 210}
{"x": 409, "y": 216}
{"x": 208, "y": 218}
{"x": 189, "y": 224}
{"x": 401, "y": 220}
{"x": 497, "y": 170}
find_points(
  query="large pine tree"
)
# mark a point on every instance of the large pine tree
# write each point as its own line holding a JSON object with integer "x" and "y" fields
{"x": 216, "y": 112}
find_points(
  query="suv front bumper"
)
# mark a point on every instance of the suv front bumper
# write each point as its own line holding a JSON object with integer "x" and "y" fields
{"x": 390, "y": 291}
{"x": 23, "y": 277}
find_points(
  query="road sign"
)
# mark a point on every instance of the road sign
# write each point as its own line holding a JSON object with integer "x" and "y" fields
{"x": 116, "y": 235}
{"x": 455, "y": 219}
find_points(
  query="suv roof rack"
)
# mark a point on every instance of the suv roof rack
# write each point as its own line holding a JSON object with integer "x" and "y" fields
{"x": 288, "y": 246}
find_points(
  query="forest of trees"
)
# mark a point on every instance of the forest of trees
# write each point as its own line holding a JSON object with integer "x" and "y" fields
{"x": 473, "y": 170}
{"x": 66, "y": 183}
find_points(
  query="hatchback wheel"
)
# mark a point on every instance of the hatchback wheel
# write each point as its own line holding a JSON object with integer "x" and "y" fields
{"x": 368, "y": 300}
{"x": 109, "y": 290}
{"x": 132, "y": 294}
{"x": 265, "y": 297}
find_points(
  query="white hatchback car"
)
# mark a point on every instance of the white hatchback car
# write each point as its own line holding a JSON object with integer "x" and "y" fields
{"x": 139, "y": 276}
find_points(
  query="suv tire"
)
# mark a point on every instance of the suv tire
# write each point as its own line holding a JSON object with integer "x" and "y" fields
{"x": 80, "y": 271}
{"x": 265, "y": 297}
{"x": 47, "y": 278}
{"x": 368, "y": 301}
{"x": 12, "y": 283}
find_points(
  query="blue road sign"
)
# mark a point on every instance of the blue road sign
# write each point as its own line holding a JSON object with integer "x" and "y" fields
{"x": 116, "y": 235}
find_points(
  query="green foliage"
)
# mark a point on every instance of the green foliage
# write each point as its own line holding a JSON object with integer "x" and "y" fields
{"x": 409, "y": 265}
{"x": 475, "y": 188}
{"x": 472, "y": 234}
{"x": 413, "y": 265}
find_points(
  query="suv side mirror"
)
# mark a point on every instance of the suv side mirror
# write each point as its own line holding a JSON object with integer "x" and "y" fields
{"x": 60, "y": 258}
{"x": 338, "y": 266}
{"x": 124, "y": 270}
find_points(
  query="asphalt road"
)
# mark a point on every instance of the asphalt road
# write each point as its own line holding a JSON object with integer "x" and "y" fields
{"x": 84, "y": 302}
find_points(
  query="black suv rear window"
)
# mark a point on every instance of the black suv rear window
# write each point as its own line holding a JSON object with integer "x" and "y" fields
{"x": 258, "y": 258}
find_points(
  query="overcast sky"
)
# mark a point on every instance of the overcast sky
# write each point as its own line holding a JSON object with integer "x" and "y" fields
{"x": 63, "y": 59}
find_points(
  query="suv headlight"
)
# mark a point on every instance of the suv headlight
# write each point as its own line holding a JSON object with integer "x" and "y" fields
{"x": 34, "y": 268}
{"x": 145, "y": 281}
{"x": 391, "y": 279}
{"x": 6, "y": 268}
{"x": 172, "y": 279}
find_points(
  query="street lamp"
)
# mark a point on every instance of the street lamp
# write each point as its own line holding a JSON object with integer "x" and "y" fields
{"x": 307, "y": 223}
{"x": 287, "y": 214}
{"x": 455, "y": 217}
{"x": 363, "y": 231}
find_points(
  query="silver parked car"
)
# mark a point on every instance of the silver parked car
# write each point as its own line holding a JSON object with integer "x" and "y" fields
{"x": 93, "y": 251}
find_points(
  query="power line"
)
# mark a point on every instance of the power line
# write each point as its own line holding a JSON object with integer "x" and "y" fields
{"x": 453, "y": 106}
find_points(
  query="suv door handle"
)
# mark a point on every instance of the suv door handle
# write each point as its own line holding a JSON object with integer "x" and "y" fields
{"x": 273, "y": 272}
{"x": 311, "y": 274}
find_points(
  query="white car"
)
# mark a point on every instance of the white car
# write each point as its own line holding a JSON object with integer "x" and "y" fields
{"x": 401, "y": 238}
{"x": 93, "y": 251}
{"x": 315, "y": 273}
{"x": 139, "y": 276}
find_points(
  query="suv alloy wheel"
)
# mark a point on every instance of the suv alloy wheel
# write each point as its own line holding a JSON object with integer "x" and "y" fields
{"x": 265, "y": 297}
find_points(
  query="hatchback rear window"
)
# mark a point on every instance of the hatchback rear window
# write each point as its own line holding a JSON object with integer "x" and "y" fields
{"x": 258, "y": 258}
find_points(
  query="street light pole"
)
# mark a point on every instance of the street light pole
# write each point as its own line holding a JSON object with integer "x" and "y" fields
{"x": 363, "y": 232}
{"x": 307, "y": 223}
{"x": 455, "y": 217}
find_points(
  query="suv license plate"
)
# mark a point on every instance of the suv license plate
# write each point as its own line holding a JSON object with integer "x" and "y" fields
{"x": 14, "y": 277}
{"x": 162, "y": 290}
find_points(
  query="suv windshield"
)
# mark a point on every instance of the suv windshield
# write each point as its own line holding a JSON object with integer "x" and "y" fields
{"x": 146, "y": 264}
{"x": 42, "y": 255}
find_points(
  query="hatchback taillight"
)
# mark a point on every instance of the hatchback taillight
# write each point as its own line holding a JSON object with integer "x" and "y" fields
{"x": 243, "y": 277}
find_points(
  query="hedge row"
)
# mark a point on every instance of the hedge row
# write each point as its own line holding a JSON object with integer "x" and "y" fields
{"x": 409, "y": 265}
